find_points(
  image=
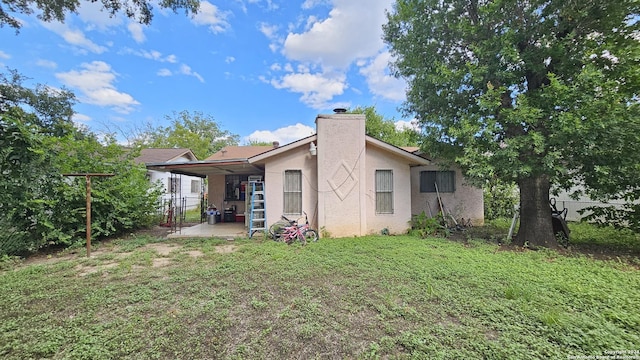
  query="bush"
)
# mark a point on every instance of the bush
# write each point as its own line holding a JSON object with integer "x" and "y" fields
{"x": 41, "y": 207}
{"x": 500, "y": 199}
{"x": 425, "y": 226}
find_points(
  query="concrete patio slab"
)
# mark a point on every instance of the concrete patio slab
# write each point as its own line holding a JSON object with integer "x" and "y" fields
{"x": 219, "y": 230}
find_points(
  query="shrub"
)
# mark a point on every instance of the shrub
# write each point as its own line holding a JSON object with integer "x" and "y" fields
{"x": 425, "y": 226}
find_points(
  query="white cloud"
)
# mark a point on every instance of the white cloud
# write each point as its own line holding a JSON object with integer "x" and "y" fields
{"x": 81, "y": 118}
{"x": 4, "y": 55}
{"x": 229, "y": 59}
{"x": 95, "y": 82}
{"x": 92, "y": 14}
{"x": 137, "y": 32}
{"x": 322, "y": 50}
{"x": 353, "y": 30}
{"x": 283, "y": 135}
{"x": 186, "y": 70}
{"x": 46, "y": 64}
{"x": 152, "y": 55}
{"x": 209, "y": 15}
{"x": 317, "y": 89}
{"x": 271, "y": 32}
{"x": 275, "y": 67}
{"x": 172, "y": 59}
{"x": 164, "y": 72}
{"x": 74, "y": 37}
{"x": 380, "y": 82}
{"x": 308, "y": 4}
{"x": 404, "y": 124}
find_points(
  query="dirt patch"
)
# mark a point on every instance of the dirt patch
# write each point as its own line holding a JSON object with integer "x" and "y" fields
{"x": 194, "y": 253}
{"x": 161, "y": 262}
{"x": 88, "y": 270}
{"x": 226, "y": 249}
{"x": 164, "y": 249}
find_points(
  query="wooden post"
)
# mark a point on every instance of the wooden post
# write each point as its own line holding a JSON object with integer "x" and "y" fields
{"x": 88, "y": 182}
{"x": 88, "y": 215}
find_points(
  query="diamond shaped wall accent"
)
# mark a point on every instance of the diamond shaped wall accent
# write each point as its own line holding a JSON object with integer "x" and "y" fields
{"x": 343, "y": 180}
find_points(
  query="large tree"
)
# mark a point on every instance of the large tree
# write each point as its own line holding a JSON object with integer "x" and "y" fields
{"x": 193, "y": 130}
{"x": 385, "y": 129}
{"x": 140, "y": 10}
{"x": 530, "y": 91}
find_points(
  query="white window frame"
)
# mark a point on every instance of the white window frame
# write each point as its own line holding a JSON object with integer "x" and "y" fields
{"x": 384, "y": 191}
{"x": 292, "y": 192}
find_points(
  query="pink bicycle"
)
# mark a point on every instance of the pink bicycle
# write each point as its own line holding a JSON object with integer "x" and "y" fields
{"x": 291, "y": 230}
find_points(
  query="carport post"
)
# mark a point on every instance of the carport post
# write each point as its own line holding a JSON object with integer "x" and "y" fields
{"x": 88, "y": 182}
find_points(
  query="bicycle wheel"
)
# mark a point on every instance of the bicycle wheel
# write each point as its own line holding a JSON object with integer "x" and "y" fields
{"x": 310, "y": 235}
{"x": 276, "y": 230}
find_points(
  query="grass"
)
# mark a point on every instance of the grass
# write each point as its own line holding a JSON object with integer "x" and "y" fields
{"x": 365, "y": 298}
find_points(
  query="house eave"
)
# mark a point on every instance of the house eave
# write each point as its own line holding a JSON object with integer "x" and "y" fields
{"x": 260, "y": 158}
{"x": 205, "y": 168}
{"x": 413, "y": 159}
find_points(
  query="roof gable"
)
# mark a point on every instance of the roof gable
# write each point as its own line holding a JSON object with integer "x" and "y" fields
{"x": 239, "y": 152}
{"x": 259, "y": 158}
{"x": 159, "y": 155}
{"x": 406, "y": 153}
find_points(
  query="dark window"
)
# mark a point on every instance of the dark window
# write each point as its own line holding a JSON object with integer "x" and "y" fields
{"x": 445, "y": 180}
{"x": 293, "y": 192}
{"x": 384, "y": 192}
{"x": 233, "y": 187}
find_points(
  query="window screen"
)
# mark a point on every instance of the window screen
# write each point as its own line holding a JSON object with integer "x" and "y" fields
{"x": 384, "y": 192}
{"x": 293, "y": 192}
{"x": 445, "y": 180}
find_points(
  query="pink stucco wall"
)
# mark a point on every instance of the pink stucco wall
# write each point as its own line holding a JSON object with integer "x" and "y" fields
{"x": 341, "y": 174}
{"x": 398, "y": 222}
{"x": 466, "y": 202}
{"x": 216, "y": 191}
{"x": 295, "y": 159}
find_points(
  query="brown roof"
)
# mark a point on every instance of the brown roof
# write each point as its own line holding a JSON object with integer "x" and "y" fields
{"x": 239, "y": 152}
{"x": 148, "y": 156}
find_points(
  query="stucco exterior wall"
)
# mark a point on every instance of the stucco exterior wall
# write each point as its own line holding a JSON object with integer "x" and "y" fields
{"x": 341, "y": 174}
{"x": 216, "y": 191}
{"x": 398, "y": 222}
{"x": 466, "y": 202}
{"x": 296, "y": 159}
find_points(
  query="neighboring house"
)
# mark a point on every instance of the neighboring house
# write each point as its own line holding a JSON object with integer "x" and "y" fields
{"x": 574, "y": 206}
{"x": 348, "y": 183}
{"x": 185, "y": 188}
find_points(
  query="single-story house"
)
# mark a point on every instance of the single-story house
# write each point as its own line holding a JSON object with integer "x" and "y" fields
{"x": 348, "y": 183}
{"x": 185, "y": 188}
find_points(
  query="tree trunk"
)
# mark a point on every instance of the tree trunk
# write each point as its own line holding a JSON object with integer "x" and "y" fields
{"x": 536, "y": 229}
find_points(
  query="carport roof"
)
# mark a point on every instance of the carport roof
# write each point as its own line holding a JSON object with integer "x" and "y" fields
{"x": 230, "y": 160}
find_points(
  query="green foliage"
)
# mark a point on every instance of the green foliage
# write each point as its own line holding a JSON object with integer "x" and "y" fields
{"x": 425, "y": 226}
{"x": 528, "y": 91}
{"x": 383, "y": 129}
{"x": 500, "y": 199}
{"x": 57, "y": 10}
{"x": 41, "y": 207}
{"x": 196, "y": 131}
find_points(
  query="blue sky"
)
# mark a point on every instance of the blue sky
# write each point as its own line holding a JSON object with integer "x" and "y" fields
{"x": 262, "y": 68}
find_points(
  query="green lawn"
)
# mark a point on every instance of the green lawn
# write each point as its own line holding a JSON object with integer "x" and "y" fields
{"x": 372, "y": 297}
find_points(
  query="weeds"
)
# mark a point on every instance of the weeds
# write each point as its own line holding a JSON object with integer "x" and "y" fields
{"x": 371, "y": 297}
